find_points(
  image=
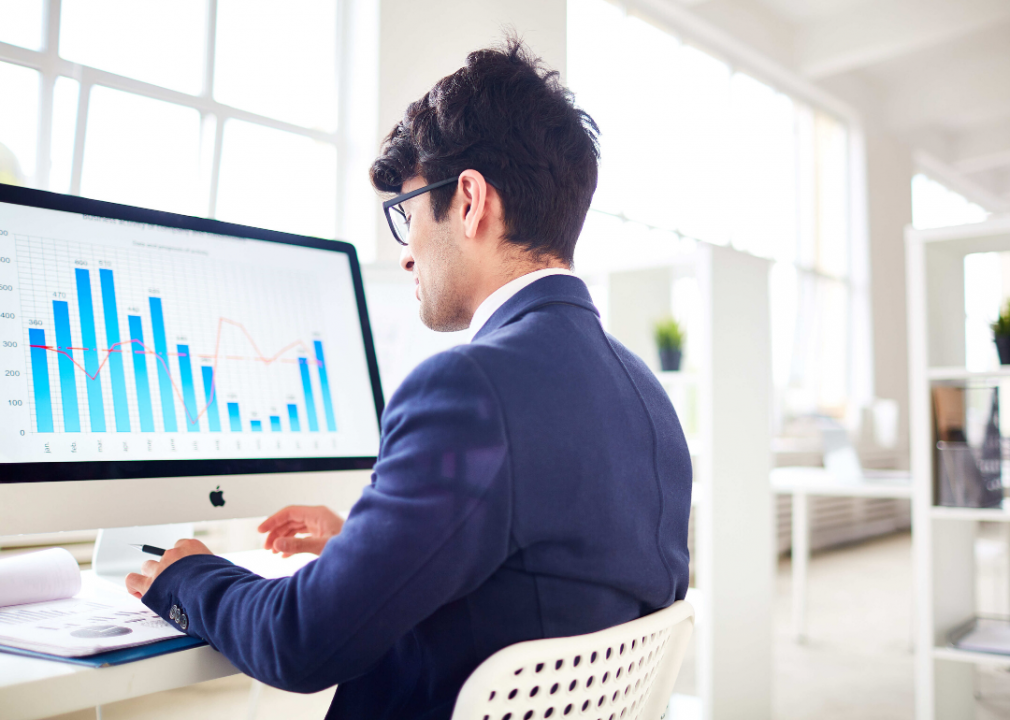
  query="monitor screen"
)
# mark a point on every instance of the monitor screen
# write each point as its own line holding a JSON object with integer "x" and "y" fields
{"x": 136, "y": 343}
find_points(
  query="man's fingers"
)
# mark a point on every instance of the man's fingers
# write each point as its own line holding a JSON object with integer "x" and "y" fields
{"x": 278, "y": 518}
{"x": 293, "y": 545}
{"x": 288, "y": 528}
{"x": 150, "y": 568}
{"x": 137, "y": 584}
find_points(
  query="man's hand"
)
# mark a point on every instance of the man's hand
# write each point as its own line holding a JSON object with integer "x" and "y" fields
{"x": 138, "y": 584}
{"x": 319, "y": 523}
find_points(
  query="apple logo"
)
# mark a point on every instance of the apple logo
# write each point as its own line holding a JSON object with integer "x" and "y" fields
{"x": 217, "y": 497}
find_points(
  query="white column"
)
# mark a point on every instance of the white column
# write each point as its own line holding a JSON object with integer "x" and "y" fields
{"x": 736, "y": 556}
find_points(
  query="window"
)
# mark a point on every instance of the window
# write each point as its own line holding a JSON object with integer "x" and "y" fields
{"x": 19, "y": 87}
{"x": 936, "y": 205}
{"x": 21, "y": 23}
{"x": 220, "y": 108}
{"x": 695, "y": 150}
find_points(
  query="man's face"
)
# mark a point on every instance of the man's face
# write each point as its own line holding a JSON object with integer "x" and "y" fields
{"x": 434, "y": 256}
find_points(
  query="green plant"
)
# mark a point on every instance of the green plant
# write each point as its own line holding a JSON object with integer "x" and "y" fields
{"x": 669, "y": 334}
{"x": 1001, "y": 328}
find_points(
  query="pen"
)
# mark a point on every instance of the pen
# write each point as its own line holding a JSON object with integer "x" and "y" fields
{"x": 149, "y": 549}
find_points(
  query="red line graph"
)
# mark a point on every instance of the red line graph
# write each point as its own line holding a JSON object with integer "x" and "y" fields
{"x": 221, "y": 322}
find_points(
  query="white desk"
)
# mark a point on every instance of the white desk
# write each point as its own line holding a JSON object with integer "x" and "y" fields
{"x": 31, "y": 688}
{"x": 801, "y": 483}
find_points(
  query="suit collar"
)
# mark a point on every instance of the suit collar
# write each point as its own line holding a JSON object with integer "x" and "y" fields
{"x": 566, "y": 289}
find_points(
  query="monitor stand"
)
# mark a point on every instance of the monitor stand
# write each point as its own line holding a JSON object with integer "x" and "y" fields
{"x": 114, "y": 559}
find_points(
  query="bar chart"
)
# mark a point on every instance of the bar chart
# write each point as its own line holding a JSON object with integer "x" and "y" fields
{"x": 102, "y": 364}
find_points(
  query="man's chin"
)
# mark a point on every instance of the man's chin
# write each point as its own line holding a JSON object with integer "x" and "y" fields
{"x": 442, "y": 322}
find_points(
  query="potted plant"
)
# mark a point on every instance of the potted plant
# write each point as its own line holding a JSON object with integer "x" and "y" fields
{"x": 670, "y": 341}
{"x": 1001, "y": 334}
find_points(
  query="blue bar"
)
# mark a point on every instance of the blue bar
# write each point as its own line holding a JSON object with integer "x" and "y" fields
{"x": 89, "y": 340}
{"x": 68, "y": 385}
{"x": 236, "y": 422}
{"x": 275, "y": 423}
{"x": 40, "y": 380}
{"x": 139, "y": 353}
{"x": 292, "y": 416}
{"x": 210, "y": 393}
{"x": 310, "y": 403}
{"x": 188, "y": 393}
{"x": 122, "y": 410}
{"x": 161, "y": 360}
{"x": 256, "y": 425}
{"x": 324, "y": 382}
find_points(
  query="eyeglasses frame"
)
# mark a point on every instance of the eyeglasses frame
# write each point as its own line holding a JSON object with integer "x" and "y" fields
{"x": 393, "y": 202}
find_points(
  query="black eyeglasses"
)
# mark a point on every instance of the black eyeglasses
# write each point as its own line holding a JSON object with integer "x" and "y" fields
{"x": 397, "y": 218}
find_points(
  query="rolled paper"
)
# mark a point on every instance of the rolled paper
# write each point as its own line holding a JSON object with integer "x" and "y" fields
{"x": 39, "y": 576}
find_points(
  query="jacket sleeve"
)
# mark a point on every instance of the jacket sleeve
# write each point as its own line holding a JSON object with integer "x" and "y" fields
{"x": 433, "y": 525}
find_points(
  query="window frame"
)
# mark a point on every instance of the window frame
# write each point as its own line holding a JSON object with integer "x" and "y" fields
{"x": 213, "y": 114}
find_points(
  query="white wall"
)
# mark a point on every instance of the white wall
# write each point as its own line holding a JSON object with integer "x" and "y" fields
{"x": 889, "y": 170}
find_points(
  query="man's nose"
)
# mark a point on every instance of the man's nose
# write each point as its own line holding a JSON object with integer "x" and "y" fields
{"x": 406, "y": 259}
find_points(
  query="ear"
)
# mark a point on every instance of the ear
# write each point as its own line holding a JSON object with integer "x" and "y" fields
{"x": 474, "y": 206}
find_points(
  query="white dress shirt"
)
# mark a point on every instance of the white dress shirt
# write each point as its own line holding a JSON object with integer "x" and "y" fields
{"x": 500, "y": 296}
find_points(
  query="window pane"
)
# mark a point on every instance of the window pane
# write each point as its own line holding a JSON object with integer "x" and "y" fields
{"x": 664, "y": 145}
{"x": 277, "y": 180}
{"x": 21, "y": 23}
{"x": 934, "y": 205}
{"x": 19, "y": 90}
{"x": 832, "y": 180}
{"x": 158, "y": 42}
{"x": 761, "y": 188}
{"x": 279, "y": 59}
{"x": 833, "y": 333}
{"x": 64, "y": 130}
{"x": 141, "y": 151}
{"x": 983, "y": 300}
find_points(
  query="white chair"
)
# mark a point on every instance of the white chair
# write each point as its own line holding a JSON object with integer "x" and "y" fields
{"x": 621, "y": 673}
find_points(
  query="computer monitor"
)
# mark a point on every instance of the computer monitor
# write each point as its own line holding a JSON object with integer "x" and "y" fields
{"x": 159, "y": 368}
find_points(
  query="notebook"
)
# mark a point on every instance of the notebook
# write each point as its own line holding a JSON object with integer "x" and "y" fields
{"x": 45, "y": 610}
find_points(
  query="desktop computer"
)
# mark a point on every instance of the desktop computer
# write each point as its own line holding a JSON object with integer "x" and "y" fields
{"x": 157, "y": 368}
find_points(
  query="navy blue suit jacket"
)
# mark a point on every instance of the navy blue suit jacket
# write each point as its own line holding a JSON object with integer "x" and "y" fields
{"x": 534, "y": 483}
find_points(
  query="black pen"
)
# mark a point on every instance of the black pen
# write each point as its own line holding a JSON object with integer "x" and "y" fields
{"x": 149, "y": 549}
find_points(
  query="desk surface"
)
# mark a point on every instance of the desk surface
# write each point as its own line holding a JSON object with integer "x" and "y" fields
{"x": 818, "y": 481}
{"x": 35, "y": 688}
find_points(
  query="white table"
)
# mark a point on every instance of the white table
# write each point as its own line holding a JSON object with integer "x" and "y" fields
{"x": 801, "y": 483}
{"x": 32, "y": 688}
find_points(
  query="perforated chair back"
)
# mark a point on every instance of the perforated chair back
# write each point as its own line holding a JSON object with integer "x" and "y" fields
{"x": 621, "y": 673}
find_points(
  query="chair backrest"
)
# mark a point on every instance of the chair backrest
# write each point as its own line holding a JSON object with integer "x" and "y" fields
{"x": 621, "y": 673}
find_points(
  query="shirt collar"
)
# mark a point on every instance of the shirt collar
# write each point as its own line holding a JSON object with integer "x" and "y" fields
{"x": 500, "y": 296}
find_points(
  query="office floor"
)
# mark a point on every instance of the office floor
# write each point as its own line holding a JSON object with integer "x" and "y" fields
{"x": 856, "y": 664}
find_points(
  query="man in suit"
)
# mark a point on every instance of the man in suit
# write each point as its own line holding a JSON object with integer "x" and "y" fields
{"x": 533, "y": 483}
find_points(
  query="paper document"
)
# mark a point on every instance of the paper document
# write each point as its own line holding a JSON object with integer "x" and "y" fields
{"x": 43, "y": 608}
{"x": 76, "y": 627}
{"x": 987, "y": 635}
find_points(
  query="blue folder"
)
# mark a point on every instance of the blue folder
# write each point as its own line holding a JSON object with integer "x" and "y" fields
{"x": 116, "y": 657}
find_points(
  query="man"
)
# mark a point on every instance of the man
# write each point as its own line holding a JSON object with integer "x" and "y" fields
{"x": 534, "y": 483}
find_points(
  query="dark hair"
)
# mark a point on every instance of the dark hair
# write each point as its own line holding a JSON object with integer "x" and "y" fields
{"x": 508, "y": 117}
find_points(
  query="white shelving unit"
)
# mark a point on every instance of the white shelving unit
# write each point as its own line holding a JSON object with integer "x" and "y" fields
{"x": 723, "y": 397}
{"x": 943, "y": 537}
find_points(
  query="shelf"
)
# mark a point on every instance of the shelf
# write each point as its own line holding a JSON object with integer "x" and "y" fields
{"x": 967, "y": 656}
{"x": 971, "y": 514}
{"x": 960, "y": 373}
